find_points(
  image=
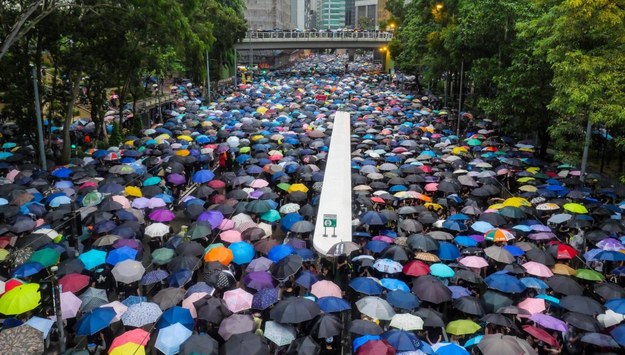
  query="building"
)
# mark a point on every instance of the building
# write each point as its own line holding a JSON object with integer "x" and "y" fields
{"x": 374, "y": 11}
{"x": 350, "y": 13}
{"x": 267, "y": 15}
{"x": 330, "y": 14}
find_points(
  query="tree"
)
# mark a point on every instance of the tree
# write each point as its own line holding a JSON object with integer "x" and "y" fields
{"x": 366, "y": 23}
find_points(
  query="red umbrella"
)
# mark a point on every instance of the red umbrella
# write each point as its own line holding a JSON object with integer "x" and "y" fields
{"x": 416, "y": 268}
{"x": 74, "y": 282}
{"x": 540, "y": 334}
{"x": 216, "y": 184}
{"x": 376, "y": 347}
{"x": 562, "y": 251}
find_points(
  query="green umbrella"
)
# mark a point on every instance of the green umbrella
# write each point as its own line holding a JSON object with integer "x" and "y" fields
{"x": 154, "y": 180}
{"x": 474, "y": 142}
{"x": 198, "y": 231}
{"x": 462, "y": 327}
{"x": 162, "y": 256}
{"x": 92, "y": 198}
{"x": 20, "y": 299}
{"x": 270, "y": 216}
{"x": 283, "y": 186}
{"x": 588, "y": 274}
{"x": 46, "y": 257}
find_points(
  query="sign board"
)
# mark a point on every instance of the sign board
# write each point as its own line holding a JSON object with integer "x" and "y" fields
{"x": 329, "y": 220}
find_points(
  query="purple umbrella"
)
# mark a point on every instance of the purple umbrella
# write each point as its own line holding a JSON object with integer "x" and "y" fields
{"x": 213, "y": 217}
{"x": 541, "y": 236}
{"x": 264, "y": 298}
{"x": 549, "y": 322}
{"x": 458, "y": 291}
{"x": 131, "y": 243}
{"x": 141, "y": 203}
{"x": 162, "y": 215}
{"x": 176, "y": 179}
{"x": 256, "y": 194}
{"x": 297, "y": 243}
{"x": 259, "y": 280}
{"x": 259, "y": 264}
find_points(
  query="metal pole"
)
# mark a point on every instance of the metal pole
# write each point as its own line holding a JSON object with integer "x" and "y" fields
{"x": 460, "y": 98}
{"x": 208, "y": 77}
{"x": 158, "y": 97}
{"x": 56, "y": 298}
{"x": 585, "y": 154}
{"x": 236, "y": 69}
{"x": 42, "y": 152}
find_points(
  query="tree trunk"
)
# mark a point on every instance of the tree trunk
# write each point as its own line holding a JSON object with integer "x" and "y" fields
{"x": 543, "y": 138}
{"x": 51, "y": 104}
{"x": 69, "y": 116}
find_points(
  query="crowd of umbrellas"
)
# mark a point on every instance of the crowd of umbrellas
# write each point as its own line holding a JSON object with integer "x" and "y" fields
{"x": 463, "y": 244}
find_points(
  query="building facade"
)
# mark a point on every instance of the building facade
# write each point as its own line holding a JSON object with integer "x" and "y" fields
{"x": 265, "y": 15}
{"x": 330, "y": 14}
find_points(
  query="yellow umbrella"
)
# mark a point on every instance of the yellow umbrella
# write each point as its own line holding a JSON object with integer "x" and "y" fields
{"x": 496, "y": 206}
{"x": 528, "y": 188}
{"x": 3, "y": 254}
{"x": 517, "y": 202}
{"x": 257, "y": 137}
{"x": 128, "y": 348}
{"x": 533, "y": 170}
{"x": 261, "y": 110}
{"x": 298, "y": 187}
{"x": 163, "y": 136}
{"x": 527, "y": 150}
{"x": 525, "y": 179}
{"x": 462, "y": 327}
{"x": 186, "y": 138}
{"x": 133, "y": 191}
{"x": 207, "y": 123}
{"x": 182, "y": 153}
{"x": 575, "y": 208}
{"x": 20, "y": 300}
{"x": 459, "y": 151}
{"x": 130, "y": 143}
{"x": 434, "y": 206}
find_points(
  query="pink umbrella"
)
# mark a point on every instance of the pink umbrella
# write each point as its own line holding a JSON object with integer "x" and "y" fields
{"x": 156, "y": 202}
{"x": 533, "y": 305}
{"x": 238, "y": 300}
{"x": 231, "y": 236}
{"x": 12, "y": 175}
{"x": 226, "y": 224}
{"x": 119, "y": 309}
{"x": 122, "y": 201}
{"x": 188, "y": 302}
{"x": 69, "y": 305}
{"x": 141, "y": 203}
{"x": 431, "y": 187}
{"x": 476, "y": 262}
{"x": 162, "y": 215}
{"x": 326, "y": 288}
{"x": 259, "y": 183}
{"x": 384, "y": 239}
{"x": 136, "y": 336}
{"x": 537, "y": 269}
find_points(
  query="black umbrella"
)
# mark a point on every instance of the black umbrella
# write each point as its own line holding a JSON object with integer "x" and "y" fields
{"x": 540, "y": 256}
{"x": 362, "y": 327}
{"x": 430, "y": 289}
{"x": 191, "y": 248}
{"x": 422, "y": 242}
{"x": 493, "y": 218}
{"x": 70, "y": 266}
{"x": 609, "y": 291}
{"x": 304, "y": 346}
{"x": 245, "y": 344}
{"x": 581, "y": 304}
{"x": 211, "y": 309}
{"x": 183, "y": 262}
{"x": 287, "y": 267}
{"x": 431, "y": 318}
{"x": 582, "y": 321}
{"x": 294, "y": 310}
{"x": 396, "y": 252}
{"x": 498, "y": 319}
{"x": 468, "y": 276}
{"x": 565, "y": 285}
{"x": 325, "y": 326}
{"x": 469, "y": 305}
{"x": 494, "y": 300}
{"x": 200, "y": 344}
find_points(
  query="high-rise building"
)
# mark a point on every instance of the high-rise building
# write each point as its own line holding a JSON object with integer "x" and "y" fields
{"x": 330, "y": 14}
{"x": 372, "y": 10}
{"x": 350, "y": 13}
{"x": 268, "y": 14}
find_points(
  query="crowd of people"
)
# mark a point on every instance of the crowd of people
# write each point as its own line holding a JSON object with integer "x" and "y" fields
{"x": 196, "y": 237}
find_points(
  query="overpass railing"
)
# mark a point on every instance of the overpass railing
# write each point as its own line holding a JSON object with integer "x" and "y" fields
{"x": 348, "y": 35}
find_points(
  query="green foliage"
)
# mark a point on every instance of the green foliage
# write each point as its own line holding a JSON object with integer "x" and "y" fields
{"x": 137, "y": 125}
{"x": 115, "y": 138}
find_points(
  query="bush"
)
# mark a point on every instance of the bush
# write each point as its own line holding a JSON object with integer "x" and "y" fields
{"x": 116, "y": 136}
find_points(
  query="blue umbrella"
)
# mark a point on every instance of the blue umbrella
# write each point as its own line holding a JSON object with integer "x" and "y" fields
{"x": 170, "y": 338}
{"x": 27, "y": 269}
{"x": 62, "y": 173}
{"x": 116, "y": 256}
{"x": 306, "y": 254}
{"x": 458, "y": 217}
{"x": 93, "y": 258}
{"x": 358, "y": 342}
{"x": 151, "y": 181}
{"x": 203, "y": 176}
{"x": 366, "y": 286}
{"x": 134, "y": 300}
{"x": 481, "y": 226}
{"x": 280, "y": 252}
{"x": 306, "y": 279}
{"x": 333, "y": 304}
{"x": 175, "y": 315}
{"x": 458, "y": 291}
{"x": 505, "y": 283}
{"x": 473, "y": 341}
{"x": 373, "y": 218}
{"x": 455, "y": 225}
{"x": 94, "y": 321}
{"x": 376, "y": 246}
{"x": 450, "y": 349}
{"x": 180, "y": 278}
{"x": 448, "y": 251}
{"x": 610, "y": 255}
{"x": 465, "y": 241}
{"x": 394, "y": 284}
{"x": 617, "y": 305}
{"x": 618, "y": 334}
{"x": 514, "y": 250}
{"x": 154, "y": 276}
{"x": 532, "y": 282}
{"x": 402, "y": 299}
{"x": 289, "y": 220}
{"x": 441, "y": 270}
{"x": 264, "y": 298}
{"x": 242, "y": 252}
{"x": 402, "y": 340}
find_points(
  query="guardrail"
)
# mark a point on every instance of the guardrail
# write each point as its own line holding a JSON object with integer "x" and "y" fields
{"x": 348, "y": 35}
{"x": 153, "y": 101}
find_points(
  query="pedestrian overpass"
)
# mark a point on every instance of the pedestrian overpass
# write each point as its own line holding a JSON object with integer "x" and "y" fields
{"x": 261, "y": 40}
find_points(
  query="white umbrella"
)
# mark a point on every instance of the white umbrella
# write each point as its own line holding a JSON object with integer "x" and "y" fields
{"x": 289, "y": 208}
{"x": 140, "y": 314}
{"x": 119, "y": 309}
{"x": 280, "y": 334}
{"x": 128, "y": 271}
{"x": 406, "y": 321}
{"x": 70, "y": 304}
{"x": 375, "y": 307}
{"x": 156, "y": 230}
{"x": 170, "y": 338}
{"x": 610, "y": 318}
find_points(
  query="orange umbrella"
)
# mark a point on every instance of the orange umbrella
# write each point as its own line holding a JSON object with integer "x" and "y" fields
{"x": 220, "y": 254}
{"x": 136, "y": 336}
{"x": 563, "y": 269}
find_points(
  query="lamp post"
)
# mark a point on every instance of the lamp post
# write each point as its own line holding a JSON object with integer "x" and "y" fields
{"x": 384, "y": 51}
{"x": 42, "y": 153}
{"x": 56, "y": 299}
